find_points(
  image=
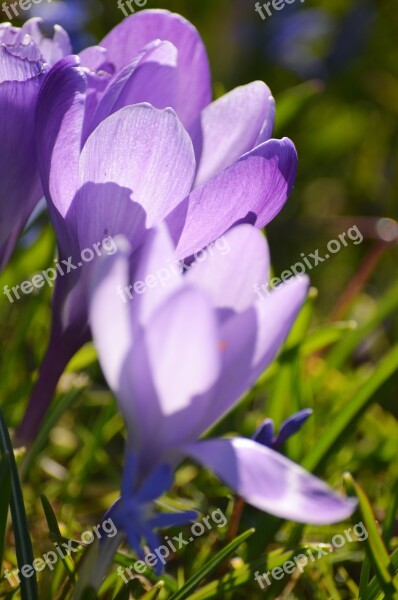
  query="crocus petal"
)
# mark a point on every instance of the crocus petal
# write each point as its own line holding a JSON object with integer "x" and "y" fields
{"x": 134, "y": 168}
{"x": 264, "y": 434}
{"x": 254, "y": 189}
{"x": 275, "y": 317}
{"x": 261, "y": 331}
{"x": 8, "y": 33}
{"x": 21, "y": 189}
{"x": 291, "y": 426}
{"x": 138, "y": 30}
{"x": 230, "y": 287}
{"x": 52, "y": 48}
{"x": 230, "y": 127}
{"x": 150, "y": 78}
{"x": 108, "y": 324}
{"x": 167, "y": 375}
{"x": 96, "y": 59}
{"x": 271, "y": 482}
{"x": 155, "y": 267}
{"x": 195, "y": 354}
{"x": 60, "y": 117}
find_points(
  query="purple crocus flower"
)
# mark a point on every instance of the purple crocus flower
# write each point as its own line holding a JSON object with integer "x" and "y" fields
{"x": 24, "y": 58}
{"x": 182, "y": 359}
{"x": 110, "y": 165}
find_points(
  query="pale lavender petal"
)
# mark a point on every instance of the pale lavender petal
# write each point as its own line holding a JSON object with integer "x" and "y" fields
{"x": 271, "y": 482}
{"x": 134, "y": 168}
{"x": 165, "y": 380}
{"x": 52, "y": 48}
{"x": 96, "y": 59}
{"x": 156, "y": 274}
{"x": 182, "y": 350}
{"x": 250, "y": 342}
{"x": 151, "y": 77}
{"x": 228, "y": 277}
{"x": 254, "y": 190}
{"x": 138, "y": 30}
{"x": 230, "y": 127}
{"x": 109, "y": 316}
{"x": 275, "y": 316}
{"x": 8, "y": 33}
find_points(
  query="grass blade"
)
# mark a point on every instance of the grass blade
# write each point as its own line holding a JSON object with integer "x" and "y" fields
{"x": 211, "y": 565}
{"x": 23, "y": 542}
{"x": 5, "y": 486}
{"x": 377, "y": 551}
{"x": 344, "y": 421}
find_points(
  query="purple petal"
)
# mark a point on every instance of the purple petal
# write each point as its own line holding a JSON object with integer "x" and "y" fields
{"x": 275, "y": 316}
{"x": 165, "y": 380}
{"x": 52, "y": 49}
{"x": 250, "y": 342}
{"x": 109, "y": 315}
{"x": 230, "y": 127}
{"x": 151, "y": 77}
{"x": 154, "y": 267}
{"x": 271, "y": 482}
{"x": 230, "y": 287}
{"x": 182, "y": 351}
{"x": 8, "y": 34}
{"x": 254, "y": 189}
{"x": 265, "y": 433}
{"x": 96, "y": 59}
{"x": 291, "y": 426}
{"x": 60, "y": 117}
{"x": 134, "y": 169}
{"x": 138, "y": 30}
{"x": 21, "y": 190}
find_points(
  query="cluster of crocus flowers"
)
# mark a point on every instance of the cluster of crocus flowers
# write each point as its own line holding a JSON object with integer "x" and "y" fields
{"x": 128, "y": 138}
{"x": 125, "y": 142}
{"x": 179, "y": 360}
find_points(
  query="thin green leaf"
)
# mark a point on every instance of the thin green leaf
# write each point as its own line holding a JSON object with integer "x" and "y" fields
{"x": 50, "y": 517}
{"x": 5, "y": 487}
{"x": 344, "y": 421}
{"x": 211, "y": 565}
{"x": 23, "y": 542}
{"x": 364, "y": 577}
{"x": 389, "y": 520}
{"x": 374, "y": 591}
{"x": 377, "y": 551}
{"x": 245, "y": 575}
